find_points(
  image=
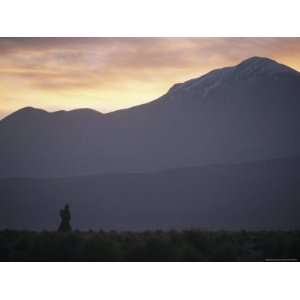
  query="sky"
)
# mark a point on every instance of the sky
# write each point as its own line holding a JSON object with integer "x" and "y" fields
{"x": 108, "y": 74}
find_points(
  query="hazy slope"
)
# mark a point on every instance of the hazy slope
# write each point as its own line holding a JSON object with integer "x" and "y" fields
{"x": 261, "y": 195}
{"x": 244, "y": 113}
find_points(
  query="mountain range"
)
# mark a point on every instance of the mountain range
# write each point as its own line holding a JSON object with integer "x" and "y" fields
{"x": 260, "y": 195}
{"x": 218, "y": 151}
{"x": 236, "y": 114}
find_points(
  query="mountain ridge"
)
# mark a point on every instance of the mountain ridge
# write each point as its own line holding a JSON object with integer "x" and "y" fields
{"x": 31, "y": 111}
{"x": 216, "y": 118}
{"x": 255, "y": 62}
{"x": 262, "y": 195}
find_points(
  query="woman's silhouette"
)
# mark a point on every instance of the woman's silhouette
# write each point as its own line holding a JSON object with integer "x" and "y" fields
{"x": 65, "y": 219}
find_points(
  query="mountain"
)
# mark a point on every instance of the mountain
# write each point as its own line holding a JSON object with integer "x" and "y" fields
{"x": 244, "y": 113}
{"x": 257, "y": 195}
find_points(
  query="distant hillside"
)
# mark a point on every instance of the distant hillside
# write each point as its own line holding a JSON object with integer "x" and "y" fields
{"x": 260, "y": 195}
{"x": 236, "y": 114}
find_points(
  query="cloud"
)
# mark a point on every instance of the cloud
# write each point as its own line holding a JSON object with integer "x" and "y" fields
{"x": 74, "y": 62}
{"x": 121, "y": 67}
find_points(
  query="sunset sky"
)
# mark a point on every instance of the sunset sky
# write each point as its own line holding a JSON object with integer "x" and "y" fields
{"x": 107, "y": 74}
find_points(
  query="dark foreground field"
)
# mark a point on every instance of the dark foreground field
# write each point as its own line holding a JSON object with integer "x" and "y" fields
{"x": 190, "y": 245}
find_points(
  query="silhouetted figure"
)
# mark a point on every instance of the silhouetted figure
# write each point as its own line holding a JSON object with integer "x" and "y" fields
{"x": 65, "y": 219}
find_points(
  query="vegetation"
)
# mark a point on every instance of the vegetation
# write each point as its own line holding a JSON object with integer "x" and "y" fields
{"x": 189, "y": 245}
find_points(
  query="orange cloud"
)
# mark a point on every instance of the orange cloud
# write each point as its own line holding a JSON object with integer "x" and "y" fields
{"x": 112, "y": 73}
